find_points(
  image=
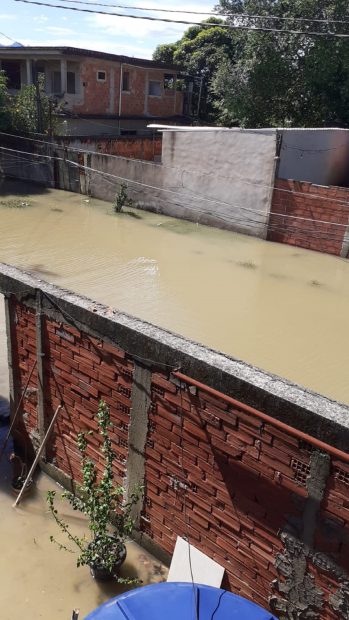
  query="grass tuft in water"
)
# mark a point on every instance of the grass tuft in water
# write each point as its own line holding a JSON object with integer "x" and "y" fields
{"x": 15, "y": 203}
{"x": 248, "y": 264}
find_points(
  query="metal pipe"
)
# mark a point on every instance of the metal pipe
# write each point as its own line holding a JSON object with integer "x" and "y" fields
{"x": 38, "y": 454}
{"x": 317, "y": 443}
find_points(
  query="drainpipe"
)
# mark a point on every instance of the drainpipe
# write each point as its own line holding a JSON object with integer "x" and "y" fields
{"x": 291, "y": 430}
{"x": 120, "y": 92}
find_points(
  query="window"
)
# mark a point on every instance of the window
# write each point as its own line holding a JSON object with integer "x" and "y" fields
{"x": 56, "y": 82}
{"x": 126, "y": 81}
{"x": 13, "y": 73}
{"x": 169, "y": 81}
{"x": 154, "y": 88}
{"x": 101, "y": 76}
{"x": 71, "y": 82}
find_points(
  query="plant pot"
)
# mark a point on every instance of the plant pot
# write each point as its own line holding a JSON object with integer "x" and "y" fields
{"x": 17, "y": 484}
{"x": 99, "y": 573}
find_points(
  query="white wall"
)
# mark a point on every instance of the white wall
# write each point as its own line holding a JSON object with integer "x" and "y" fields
{"x": 320, "y": 156}
{"x": 221, "y": 177}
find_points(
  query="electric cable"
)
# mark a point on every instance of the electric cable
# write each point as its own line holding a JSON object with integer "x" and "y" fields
{"x": 245, "y": 222}
{"x": 190, "y": 23}
{"x": 191, "y": 171}
{"x": 212, "y": 13}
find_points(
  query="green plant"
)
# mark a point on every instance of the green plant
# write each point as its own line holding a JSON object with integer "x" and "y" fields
{"x": 121, "y": 199}
{"x": 109, "y": 518}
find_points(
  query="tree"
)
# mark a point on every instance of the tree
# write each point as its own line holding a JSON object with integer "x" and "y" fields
{"x": 30, "y": 110}
{"x": 164, "y": 53}
{"x": 4, "y": 103}
{"x": 199, "y": 52}
{"x": 285, "y": 78}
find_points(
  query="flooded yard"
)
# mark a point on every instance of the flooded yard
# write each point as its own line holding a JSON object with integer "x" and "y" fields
{"x": 39, "y": 580}
{"x": 281, "y": 308}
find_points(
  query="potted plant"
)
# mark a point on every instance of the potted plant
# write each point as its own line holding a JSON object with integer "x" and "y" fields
{"x": 109, "y": 518}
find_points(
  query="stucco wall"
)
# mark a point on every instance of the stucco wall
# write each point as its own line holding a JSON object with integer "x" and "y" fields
{"x": 219, "y": 177}
{"x": 320, "y": 156}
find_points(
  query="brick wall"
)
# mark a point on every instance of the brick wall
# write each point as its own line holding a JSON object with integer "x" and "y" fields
{"x": 266, "y": 505}
{"x": 246, "y": 487}
{"x": 300, "y": 199}
{"x": 132, "y": 147}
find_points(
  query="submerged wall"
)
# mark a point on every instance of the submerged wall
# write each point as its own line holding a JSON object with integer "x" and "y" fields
{"x": 310, "y": 216}
{"x": 269, "y": 503}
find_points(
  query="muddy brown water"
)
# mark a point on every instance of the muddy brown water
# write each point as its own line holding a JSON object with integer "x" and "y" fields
{"x": 37, "y": 579}
{"x": 281, "y": 308}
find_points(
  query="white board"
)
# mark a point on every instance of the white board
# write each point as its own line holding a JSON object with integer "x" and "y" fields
{"x": 203, "y": 569}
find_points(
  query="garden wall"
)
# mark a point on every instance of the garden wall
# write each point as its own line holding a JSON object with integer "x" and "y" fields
{"x": 310, "y": 216}
{"x": 230, "y": 456}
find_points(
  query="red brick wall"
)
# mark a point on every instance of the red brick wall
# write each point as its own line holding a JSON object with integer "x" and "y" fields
{"x": 213, "y": 471}
{"x": 245, "y": 481}
{"x": 80, "y": 370}
{"x": 97, "y": 97}
{"x": 148, "y": 149}
{"x": 292, "y": 198}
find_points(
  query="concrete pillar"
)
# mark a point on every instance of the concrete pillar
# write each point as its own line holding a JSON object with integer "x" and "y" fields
{"x": 138, "y": 435}
{"x": 28, "y": 63}
{"x": 13, "y": 383}
{"x": 40, "y": 367}
{"x": 111, "y": 108}
{"x": 63, "y": 75}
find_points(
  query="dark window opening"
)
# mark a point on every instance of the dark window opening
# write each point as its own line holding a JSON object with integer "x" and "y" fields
{"x": 71, "y": 89}
{"x": 101, "y": 76}
{"x": 154, "y": 88}
{"x": 126, "y": 81}
{"x": 169, "y": 81}
{"x": 13, "y": 73}
{"x": 56, "y": 82}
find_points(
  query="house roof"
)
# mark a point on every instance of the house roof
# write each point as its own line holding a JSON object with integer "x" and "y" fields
{"x": 17, "y": 52}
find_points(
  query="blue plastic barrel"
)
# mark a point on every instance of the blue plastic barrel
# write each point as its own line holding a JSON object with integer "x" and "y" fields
{"x": 177, "y": 601}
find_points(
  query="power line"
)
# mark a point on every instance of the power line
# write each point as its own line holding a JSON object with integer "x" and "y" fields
{"x": 344, "y": 203}
{"x": 246, "y": 222}
{"x": 190, "y": 23}
{"x": 9, "y": 38}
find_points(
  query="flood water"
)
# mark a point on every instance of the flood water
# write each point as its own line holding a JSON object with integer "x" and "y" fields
{"x": 281, "y": 308}
{"x": 37, "y": 579}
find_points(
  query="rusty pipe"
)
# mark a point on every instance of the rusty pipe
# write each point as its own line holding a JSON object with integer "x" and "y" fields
{"x": 317, "y": 443}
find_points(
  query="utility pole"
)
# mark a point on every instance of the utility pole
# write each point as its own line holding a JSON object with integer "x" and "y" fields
{"x": 200, "y": 95}
{"x": 39, "y": 120}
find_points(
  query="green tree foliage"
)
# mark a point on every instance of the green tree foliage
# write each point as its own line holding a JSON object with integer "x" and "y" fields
{"x": 164, "y": 53}
{"x": 199, "y": 52}
{"x": 27, "y": 112}
{"x": 285, "y": 79}
{"x": 30, "y": 109}
{"x": 4, "y": 103}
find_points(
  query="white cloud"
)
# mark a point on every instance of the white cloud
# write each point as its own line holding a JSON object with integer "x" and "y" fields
{"x": 147, "y": 29}
{"x": 7, "y": 16}
{"x": 40, "y": 19}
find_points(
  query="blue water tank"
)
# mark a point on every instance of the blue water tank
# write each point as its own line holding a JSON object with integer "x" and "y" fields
{"x": 179, "y": 601}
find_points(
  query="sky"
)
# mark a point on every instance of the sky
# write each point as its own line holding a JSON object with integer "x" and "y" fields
{"x": 39, "y": 25}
